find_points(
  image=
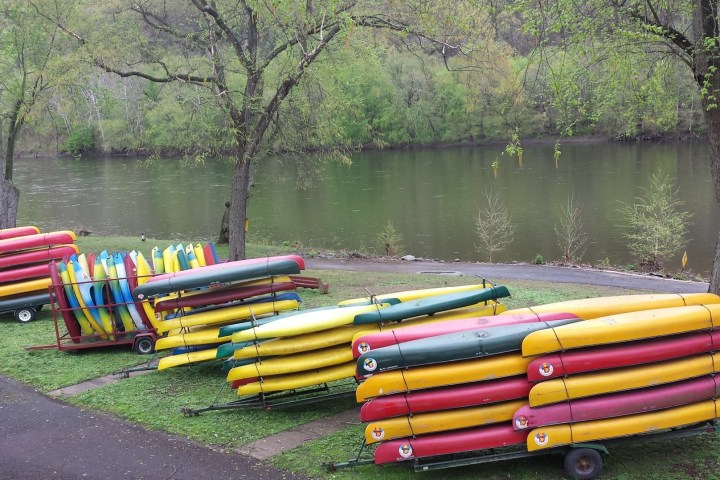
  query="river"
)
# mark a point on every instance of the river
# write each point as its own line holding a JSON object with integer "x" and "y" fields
{"x": 432, "y": 197}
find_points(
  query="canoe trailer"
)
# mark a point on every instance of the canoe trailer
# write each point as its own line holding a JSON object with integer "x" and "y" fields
{"x": 582, "y": 461}
{"x": 281, "y": 399}
{"x": 142, "y": 341}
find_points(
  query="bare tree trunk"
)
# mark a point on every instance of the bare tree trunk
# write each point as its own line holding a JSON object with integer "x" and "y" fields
{"x": 238, "y": 209}
{"x": 224, "y": 237}
{"x": 9, "y": 199}
{"x": 713, "y": 120}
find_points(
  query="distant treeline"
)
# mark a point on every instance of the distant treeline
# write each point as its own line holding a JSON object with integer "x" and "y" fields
{"x": 372, "y": 92}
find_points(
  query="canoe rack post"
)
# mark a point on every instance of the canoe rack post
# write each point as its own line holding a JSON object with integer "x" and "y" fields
{"x": 357, "y": 461}
{"x": 276, "y": 400}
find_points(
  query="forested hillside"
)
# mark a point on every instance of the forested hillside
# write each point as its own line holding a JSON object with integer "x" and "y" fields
{"x": 371, "y": 90}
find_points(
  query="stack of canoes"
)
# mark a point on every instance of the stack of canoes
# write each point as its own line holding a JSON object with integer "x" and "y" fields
{"x": 623, "y": 375}
{"x": 432, "y": 393}
{"x": 193, "y": 305}
{"x": 25, "y": 256}
{"x": 94, "y": 295}
{"x": 315, "y": 346}
{"x": 175, "y": 258}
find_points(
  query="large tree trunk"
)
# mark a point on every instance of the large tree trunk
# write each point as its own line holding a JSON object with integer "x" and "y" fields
{"x": 238, "y": 209}
{"x": 9, "y": 198}
{"x": 712, "y": 115}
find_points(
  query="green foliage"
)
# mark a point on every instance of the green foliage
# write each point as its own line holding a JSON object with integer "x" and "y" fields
{"x": 390, "y": 240}
{"x": 80, "y": 140}
{"x": 657, "y": 228}
{"x": 539, "y": 259}
{"x": 493, "y": 226}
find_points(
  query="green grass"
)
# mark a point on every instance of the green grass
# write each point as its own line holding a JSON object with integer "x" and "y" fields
{"x": 155, "y": 399}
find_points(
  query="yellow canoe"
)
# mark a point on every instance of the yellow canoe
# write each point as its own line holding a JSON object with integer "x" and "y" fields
{"x": 347, "y": 333}
{"x": 40, "y": 284}
{"x": 440, "y": 421}
{"x": 643, "y": 423}
{"x": 204, "y": 336}
{"x": 589, "y": 308}
{"x": 411, "y": 295}
{"x": 293, "y": 363}
{"x": 292, "y": 381}
{"x": 308, "y": 322}
{"x": 186, "y": 358}
{"x": 621, "y": 379}
{"x": 623, "y": 327}
{"x": 228, "y": 314}
{"x": 453, "y": 373}
{"x": 143, "y": 275}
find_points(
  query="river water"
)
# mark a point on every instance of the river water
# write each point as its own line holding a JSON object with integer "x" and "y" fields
{"x": 432, "y": 197}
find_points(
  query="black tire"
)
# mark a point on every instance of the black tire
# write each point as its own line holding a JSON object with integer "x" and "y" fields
{"x": 144, "y": 345}
{"x": 583, "y": 463}
{"x": 25, "y": 314}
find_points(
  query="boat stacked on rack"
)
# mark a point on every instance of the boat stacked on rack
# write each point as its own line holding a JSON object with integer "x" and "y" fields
{"x": 430, "y": 393}
{"x": 622, "y": 375}
{"x": 95, "y": 293}
{"x": 193, "y": 305}
{"x": 25, "y": 255}
{"x": 313, "y": 347}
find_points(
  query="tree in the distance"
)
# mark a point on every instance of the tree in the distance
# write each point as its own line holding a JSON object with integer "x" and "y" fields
{"x": 688, "y": 30}
{"x": 253, "y": 54}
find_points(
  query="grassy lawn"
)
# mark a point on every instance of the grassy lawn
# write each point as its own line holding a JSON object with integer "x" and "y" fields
{"x": 155, "y": 399}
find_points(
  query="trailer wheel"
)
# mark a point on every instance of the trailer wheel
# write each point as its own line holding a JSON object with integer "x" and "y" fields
{"x": 583, "y": 463}
{"x": 144, "y": 345}
{"x": 25, "y": 314}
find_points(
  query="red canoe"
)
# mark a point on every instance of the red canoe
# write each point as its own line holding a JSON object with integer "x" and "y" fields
{"x": 227, "y": 265}
{"x": 618, "y": 404}
{"x": 37, "y": 240}
{"x": 59, "y": 294}
{"x": 217, "y": 296}
{"x": 622, "y": 355}
{"x": 377, "y": 340}
{"x": 25, "y": 273}
{"x": 18, "y": 232}
{"x": 445, "y": 398}
{"x": 38, "y": 256}
{"x": 481, "y": 438}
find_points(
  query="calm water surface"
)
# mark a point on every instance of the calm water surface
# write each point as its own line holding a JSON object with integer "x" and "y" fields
{"x": 432, "y": 197}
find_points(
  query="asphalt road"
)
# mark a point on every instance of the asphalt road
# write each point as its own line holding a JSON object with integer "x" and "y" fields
{"x": 498, "y": 273}
{"x": 42, "y": 438}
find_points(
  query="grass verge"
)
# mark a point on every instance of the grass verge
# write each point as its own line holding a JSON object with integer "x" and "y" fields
{"x": 154, "y": 400}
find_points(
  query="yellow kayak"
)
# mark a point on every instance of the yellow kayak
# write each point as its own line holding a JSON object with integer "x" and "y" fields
{"x": 292, "y": 381}
{"x": 622, "y": 328}
{"x": 40, "y": 284}
{"x": 229, "y": 314}
{"x": 143, "y": 275}
{"x": 453, "y": 373}
{"x": 642, "y": 423}
{"x": 347, "y": 333}
{"x": 302, "y": 323}
{"x": 411, "y": 295}
{"x": 293, "y": 363}
{"x": 204, "y": 336}
{"x": 589, "y": 308}
{"x": 440, "y": 421}
{"x": 620, "y": 379}
{"x": 186, "y": 359}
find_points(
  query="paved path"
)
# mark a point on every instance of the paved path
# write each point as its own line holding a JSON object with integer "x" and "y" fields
{"x": 496, "y": 272}
{"x": 42, "y": 438}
